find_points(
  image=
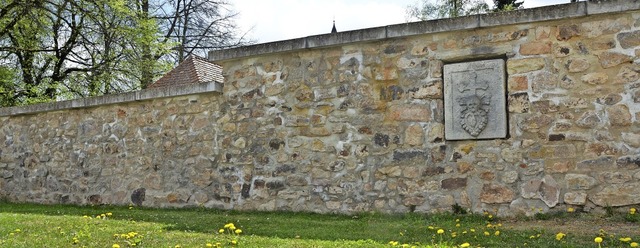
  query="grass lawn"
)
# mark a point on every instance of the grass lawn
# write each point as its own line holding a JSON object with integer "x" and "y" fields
{"x": 30, "y": 225}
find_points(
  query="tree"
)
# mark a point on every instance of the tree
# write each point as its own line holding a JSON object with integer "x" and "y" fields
{"x": 63, "y": 49}
{"x": 427, "y": 10}
{"x": 507, "y": 5}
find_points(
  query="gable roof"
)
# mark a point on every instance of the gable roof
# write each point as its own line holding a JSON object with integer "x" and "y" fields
{"x": 192, "y": 70}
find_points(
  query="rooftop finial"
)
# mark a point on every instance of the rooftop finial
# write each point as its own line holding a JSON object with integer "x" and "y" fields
{"x": 334, "y": 30}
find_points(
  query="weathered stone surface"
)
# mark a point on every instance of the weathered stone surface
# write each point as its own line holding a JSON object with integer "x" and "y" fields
{"x": 595, "y": 164}
{"x": 346, "y": 126}
{"x": 579, "y": 182}
{"x": 414, "y": 135}
{"x": 629, "y": 39}
{"x": 619, "y": 115}
{"x": 611, "y": 59}
{"x": 524, "y": 65}
{"x": 495, "y": 193}
{"x": 535, "y": 48}
{"x": 617, "y": 195}
{"x": 517, "y": 83}
{"x": 566, "y": 32}
{"x": 595, "y": 78}
{"x": 575, "y": 198}
{"x": 454, "y": 183}
{"x": 431, "y": 90}
{"x": 475, "y": 93}
{"x": 409, "y": 113}
{"x": 578, "y": 65}
{"x": 545, "y": 189}
{"x": 519, "y": 102}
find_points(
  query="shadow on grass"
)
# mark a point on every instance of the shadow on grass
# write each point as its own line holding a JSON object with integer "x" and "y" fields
{"x": 379, "y": 227}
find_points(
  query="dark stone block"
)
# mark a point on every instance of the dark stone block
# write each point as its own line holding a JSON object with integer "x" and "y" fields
{"x": 95, "y": 199}
{"x": 454, "y": 183}
{"x": 259, "y": 184}
{"x": 137, "y": 197}
{"x": 406, "y": 155}
{"x": 381, "y": 139}
{"x": 628, "y": 161}
{"x": 556, "y": 137}
{"x": 245, "y": 190}
{"x": 275, "y": 185}
{"x": 284, "y": 169}
{"x": 432, "y": 171}
{"x": 275, "y": 144}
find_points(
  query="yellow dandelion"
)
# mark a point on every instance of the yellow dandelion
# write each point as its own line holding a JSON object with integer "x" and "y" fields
{"x": 627, "y": 239}
{"x": 465, "y": 245}
{"x": 633, "y": 244}
{"x": 115, "y": 246}
{"x": 440, "y": 231}
{"x": 209, "y": 245}
{"x": 431, "y": 227}
{"x": 560, "y": 235}
{"x": 221, "y": 231}
{"x": 177, "y": 246}
{"x": 109, "y": 214}
{"x": 598, "y": 240}
{"x": 486, "y": 233}
{"x": 632, "y": 211}
{"x": 497, "y": 233}
{"x": 472, "y": 230}
{"x": 233, "y": 242}
{"x": 238, "y": 231}
{"x": 571, "y": 210}
{"x": 458, "y": 225}
{"x": 18, "y": 230}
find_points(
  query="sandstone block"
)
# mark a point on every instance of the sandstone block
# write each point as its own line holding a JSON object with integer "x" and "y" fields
{"x": 545, "y": 189}
{"x": 595, "y": 78}
{"x": 578, "y": 65}
{"x": 617, "y": 195}
{"x": 414, "y": 135}
{"x": 579, "y": 181}
{"x": 524, "y": 65}
{"x": 629, "y": 39}
{"x": 518, "y": 83}
{"x": 495, "y": 193}
{"x": 575, "y": 198}
{"x": 619, "y": 115}
{"x": 518, "y": 102}
{"x": 611, "y": 59}
{"x": 544, "y": 81}
{"x": 628, "y": 74}
{"x": 409, "y": 113}
{"x": 631, "y": 139}
{"x": 595, "y": 164}
{"x": 535, "y": 48}
{"x": 566, "y": 32}
{"x": 454, "y": 183}
{"x": 431, "y": 90}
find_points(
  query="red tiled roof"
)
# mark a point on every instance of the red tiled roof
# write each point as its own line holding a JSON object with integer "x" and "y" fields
{"x": 192, "y": 70}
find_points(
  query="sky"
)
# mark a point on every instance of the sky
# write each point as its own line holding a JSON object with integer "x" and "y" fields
{"x": 274, "y": 20}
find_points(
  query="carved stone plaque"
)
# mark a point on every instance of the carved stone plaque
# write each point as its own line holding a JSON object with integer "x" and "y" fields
{"x": 474, "y": 100}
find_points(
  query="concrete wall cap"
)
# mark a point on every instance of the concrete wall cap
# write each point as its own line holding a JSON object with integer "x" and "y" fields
{"x": 545, "y": 13}
{"x": 147, "y": 94}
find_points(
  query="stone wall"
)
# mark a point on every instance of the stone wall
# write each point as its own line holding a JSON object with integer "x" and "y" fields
{"x": 355, "y": 121}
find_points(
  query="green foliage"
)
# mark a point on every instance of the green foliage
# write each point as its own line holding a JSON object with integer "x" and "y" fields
{"x": 427, "y": 10}
{"x": 64, "y": 49}
{"x": 28, "y": 225}
{"x": 507, "y": 5}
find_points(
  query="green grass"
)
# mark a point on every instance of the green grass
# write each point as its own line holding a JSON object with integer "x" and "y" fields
{"x": 30, "y": 225}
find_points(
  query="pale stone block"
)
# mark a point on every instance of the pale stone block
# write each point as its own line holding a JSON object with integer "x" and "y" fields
{"x": 475, "y": 100}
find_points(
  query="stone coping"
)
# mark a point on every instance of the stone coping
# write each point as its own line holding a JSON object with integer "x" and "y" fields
{"x": 141, "y": 95}
{"x": 546, "y": 13}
